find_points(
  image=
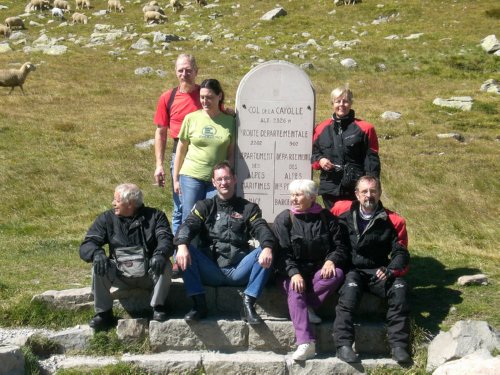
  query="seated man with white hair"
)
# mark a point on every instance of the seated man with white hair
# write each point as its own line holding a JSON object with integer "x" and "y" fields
{"x": 140, "y": 243}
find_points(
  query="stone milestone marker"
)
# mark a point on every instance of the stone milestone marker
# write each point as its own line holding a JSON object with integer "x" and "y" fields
{"x": 275, "y": 104}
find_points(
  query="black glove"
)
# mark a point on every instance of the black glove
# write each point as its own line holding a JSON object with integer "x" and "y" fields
{"x": 158, "y": 264}
{"x": 100, "y": 263}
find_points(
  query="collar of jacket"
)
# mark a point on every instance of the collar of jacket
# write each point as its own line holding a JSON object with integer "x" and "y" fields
{"x": 379, "y": 212}
{"x": 226, "y": 202}
{"x": 343, "y": 121}
{"x": 137, "y": 219}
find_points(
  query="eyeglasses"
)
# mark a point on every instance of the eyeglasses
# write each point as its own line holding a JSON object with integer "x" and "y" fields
{"x": 220, "y": 180}
{"x": 365, "y": 192}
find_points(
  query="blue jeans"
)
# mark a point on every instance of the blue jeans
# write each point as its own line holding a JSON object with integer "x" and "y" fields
{"x": 204, "y": 270}
{"x": 177, "y": 212}
{"x": 193, "y": 190}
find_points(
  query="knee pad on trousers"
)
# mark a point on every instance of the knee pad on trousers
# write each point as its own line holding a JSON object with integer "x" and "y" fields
{"x": 398, "y": 295}
{"x": 350, "y": 294}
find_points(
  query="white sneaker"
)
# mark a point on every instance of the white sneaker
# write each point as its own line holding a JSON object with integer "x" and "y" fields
{"x": 313, "y": 318}
{"x": 305, "y": 351}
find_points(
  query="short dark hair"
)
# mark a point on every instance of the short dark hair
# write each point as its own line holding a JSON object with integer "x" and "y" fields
{"x": 214, "y": 85}
{"x": 223, "y": 165}
{"x": 369, "y": 179}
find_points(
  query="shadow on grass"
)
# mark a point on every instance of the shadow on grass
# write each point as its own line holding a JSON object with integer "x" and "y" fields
{"x": 432, "y": 294}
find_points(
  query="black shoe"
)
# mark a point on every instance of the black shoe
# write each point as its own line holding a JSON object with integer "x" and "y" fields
{"x": 346, "y": 354}
{"x": 159, "y": 313}
{"x": 199, "y": 310}
{"x": 249, "y": 314}
{"x": 400, "y": 355}
{"x": 102, "y": 321}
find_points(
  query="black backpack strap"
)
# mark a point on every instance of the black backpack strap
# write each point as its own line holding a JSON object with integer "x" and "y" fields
{"x": 170, "y": 101}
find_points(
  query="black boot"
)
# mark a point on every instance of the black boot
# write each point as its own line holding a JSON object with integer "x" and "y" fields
{"x": 102, "y": 321}
{"x": 199, "y": 310}
{"x": 249, "y": 314}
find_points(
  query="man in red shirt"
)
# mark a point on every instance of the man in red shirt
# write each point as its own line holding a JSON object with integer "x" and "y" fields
{"x": 172, "y": 107}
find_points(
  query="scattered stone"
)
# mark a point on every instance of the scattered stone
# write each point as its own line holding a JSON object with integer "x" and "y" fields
{"x": 345, "y": 2}
{"x": 142, "y": 44}
{"x": 202, "y": 38}
{"x": 388, "y": 115}
{"x": 346, "y": 44}
{"x": 102, "y": 27}
{"x": 55, "y": 50}
{"x": 12, "y": 360}
{"x": 17, "y": 35}
{"x": 143, "y": 71}
{"x": 272, "y": 14}
{"x": 479, "y": 362}
{"x": 76, "y": 338}
{"x": 414, "y": 36}
{"x": 129, "y": 330}
{"x": 101, "y": 12}
{"x": 146, "y": 145}
{"x": 253, "y": 46}
{"x": 490, "y": 44}
{"x": 307, "y": 66}
{"x": 459, "y": 102}
{"x": 4, "y": 7}
{"x": 478, "y": 279}
{"x": 457, "y": 136}
{"x": 4, "y": 47}
{"x": 35, "y": 24}
{"x": 490, "y": 85}
{"x": 392, "y": 37}
{"x": 380, "y": 67}
{"x": 465, "y": 337}
{"x": 349, "y": 63}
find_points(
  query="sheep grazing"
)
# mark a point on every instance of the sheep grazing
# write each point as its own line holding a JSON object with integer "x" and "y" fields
{"x": 57, "y": 12}
{"x": 116, "y": 5}
{"x": 15, "y": 77}
{"x": 5, "y": 31}
{"x": 201, "y": 3}
{"x": 40, "y": 4}
{"x": 15, "y": 22}
{"x": 154, "y": 17}
{"x": 79, "y": 18}
{"x": 80, "y": 4}
{"x": 152, "y": 8}
{"x": 176, "y": 5}
{"x": 62, "y": 4}
{"x": 346, "y": 2}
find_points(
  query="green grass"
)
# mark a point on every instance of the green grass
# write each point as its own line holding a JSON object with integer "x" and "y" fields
{"x": 67, "y": 142}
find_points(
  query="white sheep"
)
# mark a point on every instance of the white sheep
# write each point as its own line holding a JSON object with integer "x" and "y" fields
{"x": 57, "y": 12}
{"x": 154, "y": 17}
{"x": 152, "y": 8}
{"x": 62, "y": 4}
{"x": 116, "y": 5}
{"x": 80, "y": 4}
{"x": 79, "y": 18}
{"x": 13, "y": 22}
{"x": 40, "y": 4}
{"x": 5, "y": 31}
{"x": 15, "y": 77}
{"x": 176, "y": 5}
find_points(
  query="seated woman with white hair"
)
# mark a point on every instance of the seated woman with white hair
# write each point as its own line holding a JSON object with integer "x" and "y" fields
{"x": 311, "y": 250}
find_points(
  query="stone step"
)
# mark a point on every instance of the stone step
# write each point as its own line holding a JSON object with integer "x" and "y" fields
{"x": 207, "y": 362}
{"x": 222, "y": 301}
{"x": 277, "y": 336}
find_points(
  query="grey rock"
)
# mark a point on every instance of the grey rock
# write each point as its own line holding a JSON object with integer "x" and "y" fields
{"x": 389, "y": 115}
{"x": 381, "y": 67}
{"x": 465, "y": 337}
{"x": 35, "y": 24}
{"x": 161, "y": 73}
{"x": 4, "y": 47}
{"x": 392, "y": 37}
{"x": 101, "y": 12}
{"x": 68, "y": 298}
{"x": 12, "y": 360}
{"x": 142, "y": 44}
{"x": 17, "y": 35}
{"x": 202, "y": 38}
{"x": 478, "y": 279}
{"x": 170, "y": 362}
{"x": 413, "y": 36}
{"x": 253, "y": 46}
{"x": 55, "y": 50}
{"x": 102, "y": 27}
{"x": 346, "y": 44}
{"x": 480, "y": 362}
{"x": 307, "y": 66}
{"x": 244, "y": 364}
{"x": 457, "y": 136}
{"x": 76, "y": 338}
{"x": 272, "y": 14}
{"x": 490, "y": 44}
{"x": 140, "y": 72}
{"x": 86, "y": 362}
{"x": 349, "y": 63}
{"x": 179, "y": 335}
{"x": 4, "y": 7}
{"x": 490, "y": 85}
{"x": 463, "y": 103}
{"x": 129, "y": 330}
{"x": 276, "y": 336}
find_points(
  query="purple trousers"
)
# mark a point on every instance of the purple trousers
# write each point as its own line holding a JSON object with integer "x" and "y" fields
{"x": 317, "y": 290}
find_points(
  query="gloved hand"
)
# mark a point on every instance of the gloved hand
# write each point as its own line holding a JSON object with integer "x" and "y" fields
{"x": 157, "y": 264}
{"x": 100, "y": 263}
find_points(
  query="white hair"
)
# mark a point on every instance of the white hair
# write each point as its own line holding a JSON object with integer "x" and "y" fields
{"x": 130, "y": 192}
{"x": 308, "y": 187}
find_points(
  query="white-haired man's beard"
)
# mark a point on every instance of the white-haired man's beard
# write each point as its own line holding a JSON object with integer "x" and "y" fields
{"x": 369, "y": 204}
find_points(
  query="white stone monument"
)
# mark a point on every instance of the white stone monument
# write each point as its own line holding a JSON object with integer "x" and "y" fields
{"x": 275, "y": 106}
